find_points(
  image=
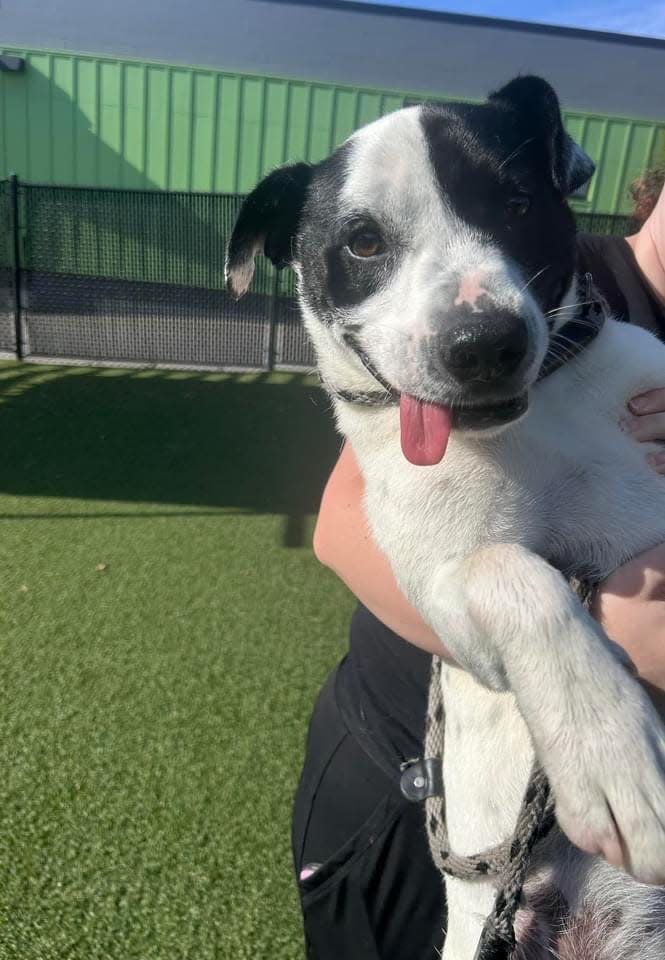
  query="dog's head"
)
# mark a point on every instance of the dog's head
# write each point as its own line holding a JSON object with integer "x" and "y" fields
{"x": 441, "y": 239}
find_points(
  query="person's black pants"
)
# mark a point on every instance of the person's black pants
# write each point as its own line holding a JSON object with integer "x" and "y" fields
{"x": 376, "y": 895}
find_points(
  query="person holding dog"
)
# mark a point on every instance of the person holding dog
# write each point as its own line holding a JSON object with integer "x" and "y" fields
{"x": 368, "y": 887}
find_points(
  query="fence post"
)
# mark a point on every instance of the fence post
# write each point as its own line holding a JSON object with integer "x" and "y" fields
{"x": 272, "y": 334}
{"x": 16, "y": 263}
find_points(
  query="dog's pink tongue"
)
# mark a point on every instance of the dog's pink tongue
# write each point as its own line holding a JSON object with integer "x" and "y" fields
{"x": 425, "y": 429}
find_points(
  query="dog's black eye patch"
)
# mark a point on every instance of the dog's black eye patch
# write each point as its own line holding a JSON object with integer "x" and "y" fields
{"x": 354, "y": 276}
{"x": 360, "y": 261}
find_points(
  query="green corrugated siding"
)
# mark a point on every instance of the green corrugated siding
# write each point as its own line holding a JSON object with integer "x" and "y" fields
{"x": 91, "y": 121}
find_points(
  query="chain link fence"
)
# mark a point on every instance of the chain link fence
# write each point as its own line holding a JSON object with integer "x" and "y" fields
{"x": 8, "y": 297}
{"x": 131, "y": 276}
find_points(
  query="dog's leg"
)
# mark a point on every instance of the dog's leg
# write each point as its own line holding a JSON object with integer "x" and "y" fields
{"x": 511, "y": 620}
{"x": 487, "y": 761}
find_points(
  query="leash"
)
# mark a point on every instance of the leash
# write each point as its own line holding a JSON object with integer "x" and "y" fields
{"x": 422, "y": 780}
{"x": 508, "y": 861}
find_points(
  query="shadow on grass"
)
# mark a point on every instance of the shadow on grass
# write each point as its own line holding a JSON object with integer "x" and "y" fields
{"x": 258, "y": 444}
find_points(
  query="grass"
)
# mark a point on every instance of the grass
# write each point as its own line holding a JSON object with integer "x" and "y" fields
{"x": 164, "y": 629}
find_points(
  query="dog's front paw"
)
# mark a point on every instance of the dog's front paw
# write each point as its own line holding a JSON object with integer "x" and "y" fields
{"x": 607, "y": 771}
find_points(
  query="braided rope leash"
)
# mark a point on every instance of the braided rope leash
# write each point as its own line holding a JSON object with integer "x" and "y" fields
{"x": 509, "y": 861}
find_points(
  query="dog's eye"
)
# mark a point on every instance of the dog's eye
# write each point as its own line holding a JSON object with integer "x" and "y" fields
{"x": 518, "y": 205}
{"x": 365, "y": 243}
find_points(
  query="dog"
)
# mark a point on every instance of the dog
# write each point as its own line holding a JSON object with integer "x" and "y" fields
{"x": 435, "y": 256}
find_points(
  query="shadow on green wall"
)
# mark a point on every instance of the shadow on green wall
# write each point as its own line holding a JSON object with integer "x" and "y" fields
{"x": 135, "y": 233}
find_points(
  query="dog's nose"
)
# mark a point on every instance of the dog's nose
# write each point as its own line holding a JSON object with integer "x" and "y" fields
{"x": 485, "y": 349}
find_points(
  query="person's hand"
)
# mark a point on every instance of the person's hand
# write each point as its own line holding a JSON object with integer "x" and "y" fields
{"x": 646, "y": 422}
{"x": 630, "y": 606}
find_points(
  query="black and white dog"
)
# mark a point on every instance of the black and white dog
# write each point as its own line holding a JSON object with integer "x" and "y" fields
{"x": 435, "y": 253}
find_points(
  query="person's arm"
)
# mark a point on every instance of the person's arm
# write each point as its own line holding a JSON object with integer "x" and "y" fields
{"x": 630, "y": 604}
{"x": 342, "y": 541}
{"x": 649, "y": 248}
{"x": 631, "y": 609}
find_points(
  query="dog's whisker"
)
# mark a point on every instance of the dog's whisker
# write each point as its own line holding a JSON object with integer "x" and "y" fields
{"x": 566, "y": 308}
{"x": 516, "y": 151}
{"x": 539, "y": 273}
{"x": 561, "y": 357}
{"x": 560, "y": 335}
{"x": 562, "y": 338}
{"x": 564, "y": 352}
{"x": 579, "y": 322}
{"x": 589, "y": 324}
{"x": 563, "y": 312}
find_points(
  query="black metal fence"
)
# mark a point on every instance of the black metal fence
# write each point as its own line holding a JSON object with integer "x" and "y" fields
{"x": 131, "y": 276}
{"x": 128, "y": 276}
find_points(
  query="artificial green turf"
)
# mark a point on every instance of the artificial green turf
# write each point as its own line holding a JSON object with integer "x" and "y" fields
{"x": 153, "y": 711}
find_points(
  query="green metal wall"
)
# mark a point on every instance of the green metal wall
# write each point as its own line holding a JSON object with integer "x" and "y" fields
{"x": 92, "y": 121}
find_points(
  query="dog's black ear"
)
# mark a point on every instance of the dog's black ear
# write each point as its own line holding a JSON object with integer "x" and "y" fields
{"x": 267, "y": 223}
{"x": 538, "y": 104}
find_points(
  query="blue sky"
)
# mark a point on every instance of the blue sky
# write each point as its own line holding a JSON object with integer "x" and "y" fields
{"x": 646, "y": 18}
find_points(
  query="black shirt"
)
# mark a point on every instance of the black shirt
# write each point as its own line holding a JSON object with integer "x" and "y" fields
{"x": 383, "y": 683}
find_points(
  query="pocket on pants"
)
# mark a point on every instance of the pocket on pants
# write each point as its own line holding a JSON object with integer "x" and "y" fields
{"x": 337, "y": 916}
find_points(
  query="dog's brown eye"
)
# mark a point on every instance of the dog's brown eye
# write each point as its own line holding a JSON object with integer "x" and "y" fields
{"x": 365, "y": 243}
{"x": 519, "y": 205}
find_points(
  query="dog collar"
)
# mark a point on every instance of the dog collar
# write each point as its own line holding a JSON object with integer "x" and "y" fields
{"x": 566, "y": 344}
{"x": 575, "y": 335}
{"x": 370, "y": 398}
